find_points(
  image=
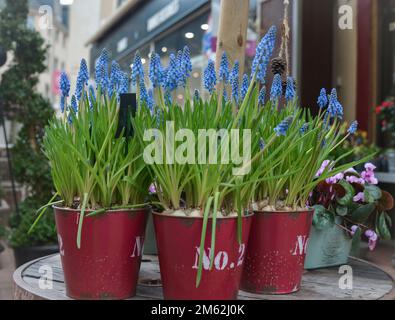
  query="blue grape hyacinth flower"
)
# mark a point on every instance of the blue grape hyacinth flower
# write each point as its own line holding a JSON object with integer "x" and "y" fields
{"x": 290, "y": 89}
{"x": 172, "y": 75}
{"x": 282, "y": 128}
{"x": 224, "y": 69}
{"x": 277, "y": 88}
{"x": 244, "y": 87}
{"x": 64, "y": 85}
{"x": 234, "y": 79}
{"x": 322, "y": 99}
{"x": 210, "y": 77}
{"x": 264, "y": 51}
{"x": 353, "y": 127}
{"x": 262, "y": 96}
{"x": 155, "y": 70}
{"x": 74, "y": 104}
{"x": 137, "y": 69}
{"x": 101, "y": 71}
{"x": 82, "y": 79}
{"x": 335, "y": 109}
{"x": 123, "y": 84}
{"x": 186, "y": 62}
{"x": 115, "y": 78}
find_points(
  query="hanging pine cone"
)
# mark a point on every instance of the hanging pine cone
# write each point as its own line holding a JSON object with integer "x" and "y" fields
{"x": 285, "y": 86}
{"x": 278, "y": 66}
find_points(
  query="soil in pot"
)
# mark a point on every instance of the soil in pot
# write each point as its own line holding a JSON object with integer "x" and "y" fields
{"x": 276, "y": 252}
{"x": 108, "y": 263}
{"x": 178, "y": 241}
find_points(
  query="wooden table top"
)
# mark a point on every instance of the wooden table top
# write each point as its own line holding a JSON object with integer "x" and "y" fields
{"x": 369, "y": 283}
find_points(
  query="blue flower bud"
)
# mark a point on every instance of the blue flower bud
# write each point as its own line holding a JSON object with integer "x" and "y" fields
{"x": 210, "y": 78}
{"x": 277, "y": 88}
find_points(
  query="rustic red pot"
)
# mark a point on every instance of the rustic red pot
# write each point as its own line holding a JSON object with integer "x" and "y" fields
{"x": 178, "y": 241}
{"x": 108, "y": 262}
{"x": 276, "y": 252}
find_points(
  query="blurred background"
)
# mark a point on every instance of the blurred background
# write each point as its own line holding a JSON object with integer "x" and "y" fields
{"x": 346, "y": 44}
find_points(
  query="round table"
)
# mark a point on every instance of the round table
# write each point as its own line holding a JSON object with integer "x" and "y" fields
{"x": 369, "y": 282}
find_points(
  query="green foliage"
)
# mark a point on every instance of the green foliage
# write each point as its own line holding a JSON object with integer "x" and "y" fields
{"x": 44, "y": 232}
{"x": 23, "y": 104}
{"x": 87, "y": 159}
{"x": 300, "y": 154}
{"x": 368, "y": 211}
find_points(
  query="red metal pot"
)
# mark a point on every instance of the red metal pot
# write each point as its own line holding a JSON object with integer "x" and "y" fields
{"x": 178, "y": 241}
{"x": 276, "y": 252}
{"x": 108, "y": 262}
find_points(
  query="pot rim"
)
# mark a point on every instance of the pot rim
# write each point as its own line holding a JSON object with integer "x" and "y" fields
{"x": 307, "y": 210}
{"x": 146, "y": 208}
{"x": 249, "y": 215}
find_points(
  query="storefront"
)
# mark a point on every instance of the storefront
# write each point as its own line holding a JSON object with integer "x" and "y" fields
{"x": 162, "y": 26}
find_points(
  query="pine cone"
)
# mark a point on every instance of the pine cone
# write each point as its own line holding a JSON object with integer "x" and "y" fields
{"x": 278, "y": 66}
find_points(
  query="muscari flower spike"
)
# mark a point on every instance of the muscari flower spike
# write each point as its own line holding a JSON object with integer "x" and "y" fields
{"x": 224, "y": 69}
{"x": 304, "y": 128}
{"x": 335, "y": 109}
{"x": 123, "y": 84}
{"x": 82, "y": 79}
{"x": 186, "y": 62}
{"x": 115, "y": 78}
{"x": 64, "y": 85}
{"x": 172, "y": 74}
{"x": 262, "y": 96}
{"x": 264, "y": 51}
{"x": 353, "y": 127}
{"x": 155, "y": 70}
{"x": 137, "y": 69}
{"x": 234, "y": 79}
{"x": 210, "y": 77}
{"x": 182, "y": 72}
{"x": 244, "y": 87}
{"x": 150, "y": 100}
{"x": 277, "y": 88}
{"x": 101, "y": 70}
{"x": 322, "y": 99}
{"x": 290, "y": 90}
{"x": 74, "y": 104}
{"x": 282, "y": 128}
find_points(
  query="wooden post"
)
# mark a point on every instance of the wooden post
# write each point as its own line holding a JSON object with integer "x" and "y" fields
{"x": 232, "y": 31}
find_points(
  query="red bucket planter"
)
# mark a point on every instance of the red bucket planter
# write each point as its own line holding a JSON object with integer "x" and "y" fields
{"x": 178, "y": 242}
{"x": 276, "y": 252}
{"x": 108, "y": 262}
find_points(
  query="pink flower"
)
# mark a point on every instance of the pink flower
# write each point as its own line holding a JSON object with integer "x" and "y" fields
{"x": 323, "y": 167}
{"x": 370, "y": 167}
{"x": 372, "y": 236}
{"x": 335, "y": 179}
{"x": 359, "y": 197}
{"x": 354, "y": 229}
{"x": 369, "y": 177}
{"x": 354, "y": 179}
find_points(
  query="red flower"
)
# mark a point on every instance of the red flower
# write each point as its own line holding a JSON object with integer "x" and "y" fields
{"x": 378, "y": 109}
{"x": 387, "y": 104}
